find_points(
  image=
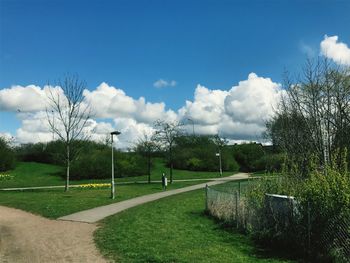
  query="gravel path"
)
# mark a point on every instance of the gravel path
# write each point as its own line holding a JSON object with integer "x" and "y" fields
{"x": 98, "y": 213}
{"x": 25, "y": 237}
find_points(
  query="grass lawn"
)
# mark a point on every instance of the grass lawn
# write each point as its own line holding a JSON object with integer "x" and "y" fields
{"x": 27, "y": 174}
{"x": 173, "y": 229}
{"x": 55, "y": 203}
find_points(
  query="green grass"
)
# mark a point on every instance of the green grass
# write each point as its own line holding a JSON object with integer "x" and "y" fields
{"x": 173, "y": 230}
{"x": 33, "y": 174}
{"x": 29, "y": 174}
{"x": 56, "y": 203}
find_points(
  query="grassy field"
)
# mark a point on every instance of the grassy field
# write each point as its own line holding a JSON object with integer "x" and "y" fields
{"x": 56, "y": 203}
{"x": 174, "y": 229}
{"x": 39, "y": 174}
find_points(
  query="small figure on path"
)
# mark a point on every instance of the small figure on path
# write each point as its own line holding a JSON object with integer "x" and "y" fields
{"x": 164, "y": 181}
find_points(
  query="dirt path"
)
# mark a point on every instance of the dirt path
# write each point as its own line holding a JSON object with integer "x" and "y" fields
{"x": 25, "y": 237}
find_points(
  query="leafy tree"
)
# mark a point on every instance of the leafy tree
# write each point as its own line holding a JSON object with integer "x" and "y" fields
{"x": 7, "y": 156}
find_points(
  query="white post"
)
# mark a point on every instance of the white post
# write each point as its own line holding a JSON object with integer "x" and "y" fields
{"x": 220, "y": 163}
{"x": 112, "y": 183}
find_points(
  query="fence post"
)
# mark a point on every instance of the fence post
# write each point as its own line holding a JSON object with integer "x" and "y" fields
{"x": 206, "y": 197}
{"x": 239, "y": 189}
{"x": 308, "y": 228}
{"x": 236, "y": 199}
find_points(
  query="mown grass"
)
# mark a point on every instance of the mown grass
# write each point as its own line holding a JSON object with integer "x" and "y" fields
{"x": 54, "y": 203}
{"x": 173, "y": 229}
{"x": 30, "y": 174}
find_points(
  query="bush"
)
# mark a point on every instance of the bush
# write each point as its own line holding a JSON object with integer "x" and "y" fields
{"x": 7, "y": 155}
{"x": 269, "y": 163}
{"x": 96, "y": 164}
{"x": 51, "y": 152}
{"x": 197, "y": 153}
{"x": 323, "y": 208}
{"x": 247, "y": 155}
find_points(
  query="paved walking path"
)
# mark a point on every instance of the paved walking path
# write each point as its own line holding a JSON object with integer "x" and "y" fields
{"x": 118, "y": 183}
{"x": 99, "y": 213}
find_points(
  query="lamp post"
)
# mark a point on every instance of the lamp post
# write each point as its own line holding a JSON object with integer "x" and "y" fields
{"x": 192, "y": 124}
{"x": 220, "y": 166}
{"x": 112, "y": 183}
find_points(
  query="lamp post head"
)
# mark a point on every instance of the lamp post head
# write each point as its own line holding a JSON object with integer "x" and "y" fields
{"x": 115, "y": 133}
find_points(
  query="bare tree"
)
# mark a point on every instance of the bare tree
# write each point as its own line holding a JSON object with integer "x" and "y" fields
{"x": 166, "y": 134}
{"x": 67, "y": 115}
{"x": 313, "y": 117}
{"x": 146, "y": 146}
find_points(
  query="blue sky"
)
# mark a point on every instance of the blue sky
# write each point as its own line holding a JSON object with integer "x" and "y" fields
{"x": 132, "y": 44}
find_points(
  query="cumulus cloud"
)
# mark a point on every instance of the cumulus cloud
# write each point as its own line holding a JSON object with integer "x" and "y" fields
{"x": 161, "y": 83}
{"x": 253, "y": 100}
{"x": 26, "y": 99}
{"x": 207, "y": 107}
{"x": 238, "y": 114}
{"x": 109, "y": 102}
{"x": 337, "y": 51}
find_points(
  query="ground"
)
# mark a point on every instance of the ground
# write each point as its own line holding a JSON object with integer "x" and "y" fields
{"x": 29, "y": 238}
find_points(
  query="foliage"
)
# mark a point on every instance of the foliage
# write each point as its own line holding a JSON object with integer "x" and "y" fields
{"x": 247, "y": 154}
{"x": 4, "y": 177}
{"x": 7, "y": 156}
{"x": 197, "y": 153}
{"x": 313, "y": 117}
{"x": 96, "y": 164}
{"x": 322, "y": 200}
{"x": 50, "y": 152}
{"x": 269, "y": 162}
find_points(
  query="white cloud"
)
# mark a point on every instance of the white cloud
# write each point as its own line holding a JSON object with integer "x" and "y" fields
{"x": 337, "y": 51}
{"x": 253, "y": 100}
{"x": 207, "y": 107}
{"x": 161, "y": 83}
{"x": 237, "y": 114}
{"x": 109, "y": 102}
{"x": 131, "y": 131}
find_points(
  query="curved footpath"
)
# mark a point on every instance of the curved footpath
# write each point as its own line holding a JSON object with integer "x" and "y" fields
{"x": 98, "y": 213}
{"x": 25, "y": 237}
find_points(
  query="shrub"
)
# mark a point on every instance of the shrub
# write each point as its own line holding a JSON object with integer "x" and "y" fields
{"x": 7, "y": 156}
{"x": 198, "y": 153}
{"x": 96, "y": 164}
{"x": 322, "y": 211}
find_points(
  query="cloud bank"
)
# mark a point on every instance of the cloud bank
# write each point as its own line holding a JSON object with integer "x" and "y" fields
{"x": 238, "y": 113}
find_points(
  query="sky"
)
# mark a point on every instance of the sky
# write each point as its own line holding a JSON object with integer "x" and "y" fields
{"x": 219, "y": 63}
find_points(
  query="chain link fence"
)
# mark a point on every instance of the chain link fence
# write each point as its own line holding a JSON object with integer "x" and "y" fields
{"x": 285, "y": 218}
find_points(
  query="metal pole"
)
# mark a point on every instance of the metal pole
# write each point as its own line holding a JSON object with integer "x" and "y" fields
{"x": 220, "y": 162}
{"x": 112, "y": 183}
{"x": 206, "y": 197}
{"x": 192, "y": 125}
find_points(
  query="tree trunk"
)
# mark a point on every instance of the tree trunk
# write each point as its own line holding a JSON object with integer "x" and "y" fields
{"x": 149, "y": 167}
{"x": 68, "y": 169}
{"x": 171, "y": 164}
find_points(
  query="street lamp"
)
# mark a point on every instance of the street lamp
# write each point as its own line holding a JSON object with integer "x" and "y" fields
{"x": 220, "y": 166}
{"x": 112, "y": 183}
{"x": 192, "y": 124}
